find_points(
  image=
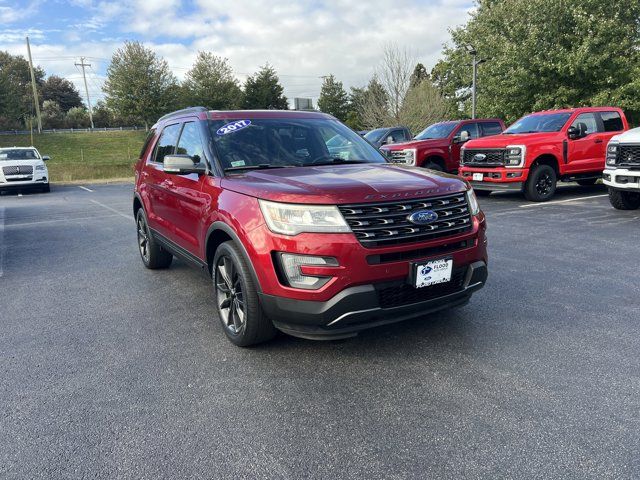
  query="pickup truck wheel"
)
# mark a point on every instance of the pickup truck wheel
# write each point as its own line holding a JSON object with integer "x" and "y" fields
{"x": 587, "y": 182}
{"x": 482, "y": 193}
{"x": 239, "y": 309}
{"x": 621, "y": 200}
{"x": 541, "y": 184}
{"x": 433, "y": 166}
{"x": 153, "y": 256}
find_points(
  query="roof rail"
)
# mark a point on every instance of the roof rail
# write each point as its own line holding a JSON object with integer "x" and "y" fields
{"x": 184, "y": 111}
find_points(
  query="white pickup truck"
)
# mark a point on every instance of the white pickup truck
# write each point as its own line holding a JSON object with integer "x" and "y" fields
{"x": 23, "y": 168}
{"x": 622, "y": 170}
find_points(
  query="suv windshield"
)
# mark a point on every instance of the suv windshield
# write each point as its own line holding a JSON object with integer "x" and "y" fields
{"x": 546, "y": 122}
{"x": 287, "y": 142}
{"x": 17, "y": 154}
{"x": 437, "y": 130}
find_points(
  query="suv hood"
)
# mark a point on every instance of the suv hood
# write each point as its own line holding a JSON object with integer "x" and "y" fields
{"x": 343, "y": 184}
{"x": 432, "y": 142}
{"x": 502, "y": 140}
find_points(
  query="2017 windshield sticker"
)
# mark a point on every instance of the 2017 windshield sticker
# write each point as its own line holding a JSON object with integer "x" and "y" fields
{"x": 233, "y": 127}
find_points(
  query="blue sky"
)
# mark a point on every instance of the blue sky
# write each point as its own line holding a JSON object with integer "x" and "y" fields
{"x": 303, "y": 39}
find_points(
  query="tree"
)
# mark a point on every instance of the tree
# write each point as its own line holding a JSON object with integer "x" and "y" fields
{"x": 211, "y": 83}
{"x": 263, "y": 90}
{"x": 52, "y": 115}
{"x": 333, "y": 98}
{"x": 373, "y": 105}
{"x": 61, "y": 91}
{"x": 77, "y": 117}
{"x": 394, "y": 75}
{"x": 419, "y": 75}
{"x": 422, "y": 106}
{"x": 16, "y": 96}
{"x": 541, "y": 55}
{"x": 139, "y": 84}
{"x": 103, "y": 116}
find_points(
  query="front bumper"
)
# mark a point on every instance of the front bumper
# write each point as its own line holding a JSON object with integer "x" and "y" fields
{"x": 499, "y": 179}
{"x": 361, "y": 307}
{"x": 37, "y": 182}
{"x": 622, "y": 179}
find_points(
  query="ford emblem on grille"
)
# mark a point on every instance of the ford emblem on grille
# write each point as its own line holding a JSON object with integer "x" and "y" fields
{"x": 423, "y": 217}
{"x": 478, "y": 157}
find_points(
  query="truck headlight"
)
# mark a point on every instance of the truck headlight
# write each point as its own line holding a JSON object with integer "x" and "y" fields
{"x": 291, "y": 269}
{"x": 462, "y": 156}
{"x": 612, "y": 153}
{"x": 40, "y": 168}
{"x": 292, "y": 219}
{"x": 514, "y": 155}
{"x": 472, "y": 200}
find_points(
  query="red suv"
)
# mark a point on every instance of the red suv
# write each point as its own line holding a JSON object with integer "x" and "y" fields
{"x": 542, "y": 148}
{"x": 317, "y": 241}
{"x": 438, "y": 146}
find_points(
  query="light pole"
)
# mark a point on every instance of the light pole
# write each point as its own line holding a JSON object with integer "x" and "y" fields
{"x": 472, "y": 51}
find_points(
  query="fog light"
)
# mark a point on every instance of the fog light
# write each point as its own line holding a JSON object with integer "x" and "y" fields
{"x": 291, "y": 264}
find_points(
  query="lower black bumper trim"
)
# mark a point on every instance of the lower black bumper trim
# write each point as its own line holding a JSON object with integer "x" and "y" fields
{"x": 498, "y": 187}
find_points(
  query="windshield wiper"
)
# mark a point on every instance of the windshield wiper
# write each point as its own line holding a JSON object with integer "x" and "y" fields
{"x": 335, "y": 161}
{"x": 257, "y": 167}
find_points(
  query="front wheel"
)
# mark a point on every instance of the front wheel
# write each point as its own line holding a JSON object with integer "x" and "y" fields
{"x": 482, "y": 193}
{"x": 434, "y": 166}
{"x": 239, "y": 308}
{"x": 541, "y": 184}
{"x": 622, "y": 200}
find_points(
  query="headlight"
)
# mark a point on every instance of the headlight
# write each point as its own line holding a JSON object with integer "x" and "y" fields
{"x": 474, "y": 207}
{"x": 612, "y": 152}
{"x": 41, "y": 168}
{"x": 291, "y": 219}
{"x": 514, "y": 155}
{"x": 462, "y": 156}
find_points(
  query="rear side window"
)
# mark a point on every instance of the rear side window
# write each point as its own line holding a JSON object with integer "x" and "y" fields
{"x": 611, "y": 121}
{"x": 167, "y": 142}
{"x": 190, "y": 142}
{"x": 586, "y": 123}
{"x": 147, "y": 142}
{"x": 491, "y": 128}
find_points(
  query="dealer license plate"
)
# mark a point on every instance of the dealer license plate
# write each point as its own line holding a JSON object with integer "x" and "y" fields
{"x": 478, "y": 177}
{"x": 433, "y": 272}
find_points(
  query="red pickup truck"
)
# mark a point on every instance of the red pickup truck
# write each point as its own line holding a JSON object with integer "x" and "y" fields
{"x": 299, "y": 231}
{"x": 542, "y": 148}
{"x": 437, "y": 147}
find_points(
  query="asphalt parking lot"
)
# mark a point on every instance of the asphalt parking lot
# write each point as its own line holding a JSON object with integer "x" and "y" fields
{"x": 109, "y": 370}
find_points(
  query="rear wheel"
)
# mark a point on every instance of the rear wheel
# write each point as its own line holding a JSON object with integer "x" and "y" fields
{"x": 239, "y": 308}
{"x": 152, "y": 254}
{"x": 622, "y": 200}
{"x": 541, "y": 184}
{"x": 434, "y": 166}
{"x": 587, "y": 182}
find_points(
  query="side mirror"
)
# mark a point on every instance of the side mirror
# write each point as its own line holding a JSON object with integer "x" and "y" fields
{"x": 573, "y": 133}
{"x": 462, "y": 137}
{"x": 182, "y": 165}
{"x": 46, "y": 158}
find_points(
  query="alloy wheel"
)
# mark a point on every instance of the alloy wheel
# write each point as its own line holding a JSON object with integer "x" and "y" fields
{"x": 143, "y": 238}
{"x": 544, "y": 184}
{"x": 229, "y": 295}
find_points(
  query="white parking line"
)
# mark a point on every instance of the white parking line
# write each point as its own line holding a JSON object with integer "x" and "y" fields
{"x": 85, "y": 188}
{"x": 544, "y": 204}
{"x": 2, "y": 245}
{"x": 128, "y": 217}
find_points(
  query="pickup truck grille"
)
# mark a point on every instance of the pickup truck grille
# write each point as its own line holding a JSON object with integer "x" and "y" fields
{"x": 492, "y": 157}
{"x": 628, "y": 155}
{"x": 402, "y": 156}
{"x": 18, "y": 170}
{"x": 383, "y": 224}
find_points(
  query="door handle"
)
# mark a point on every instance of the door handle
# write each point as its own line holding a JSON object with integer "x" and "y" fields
{"x": 597, "y": 140}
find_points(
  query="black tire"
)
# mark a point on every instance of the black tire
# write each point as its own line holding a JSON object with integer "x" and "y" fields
{"x": 622, "y": 200}
{"x": 541, "y": 184}
{"x": 152, "y": 254}
{"x": 482, "y": 193}
{"x": 239, "y": 310}
{"x": 587, "y": 182}
{"x": 434, "y": 166}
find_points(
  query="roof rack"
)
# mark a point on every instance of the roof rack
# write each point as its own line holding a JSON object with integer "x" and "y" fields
{"x": 184, "y": 111}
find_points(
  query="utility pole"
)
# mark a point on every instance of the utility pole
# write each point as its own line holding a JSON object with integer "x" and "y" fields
{"x": 35, "y": 90}
{"x": 86, "y": 89}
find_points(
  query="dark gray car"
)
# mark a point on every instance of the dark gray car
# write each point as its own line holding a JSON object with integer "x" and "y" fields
{"x": 388, "y": 135}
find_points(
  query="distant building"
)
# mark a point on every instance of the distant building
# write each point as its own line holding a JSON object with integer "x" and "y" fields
{"x": 302, "y": 104}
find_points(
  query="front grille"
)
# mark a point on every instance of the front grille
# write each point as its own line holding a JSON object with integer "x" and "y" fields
{"x": 383, "y": 224}
{"x": 402, "y": 156}
{"x": 492, "y": 158}
{"x": 18, "y": 170}
{"x": 628, "y": 155}
{"x": 404, "y": 294}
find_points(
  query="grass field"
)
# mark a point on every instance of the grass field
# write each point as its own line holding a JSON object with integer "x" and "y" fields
{"x": 84, "y": 155}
